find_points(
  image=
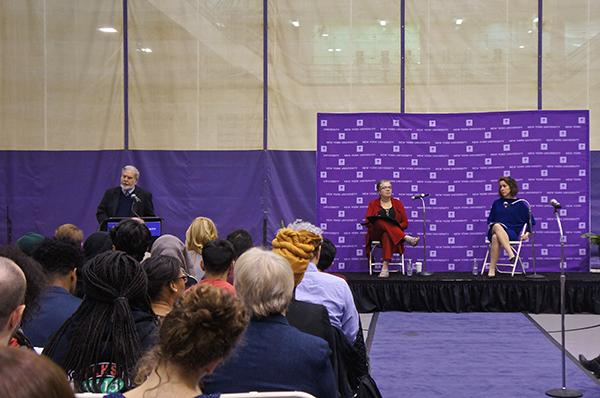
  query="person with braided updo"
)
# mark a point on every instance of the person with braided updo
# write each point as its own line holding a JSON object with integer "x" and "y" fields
{"x": 100, "y": 344}
{"x": 195, "y": 337}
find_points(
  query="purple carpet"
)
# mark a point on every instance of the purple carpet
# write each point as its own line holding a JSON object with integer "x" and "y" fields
{"x": 468, "y": 355}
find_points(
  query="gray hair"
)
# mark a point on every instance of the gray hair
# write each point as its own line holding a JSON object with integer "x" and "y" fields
{"x": 12, "y": 285}
{"x": 380, "y": 183}
{"x": 133, "y": 169}
{"x": 301, "y": 225}
{"x": 264, "y": 282}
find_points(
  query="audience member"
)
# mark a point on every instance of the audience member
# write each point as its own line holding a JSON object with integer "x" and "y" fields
{"x": 281, "y": 357}
{"x": 131, "y": 236}
{"x": 241, "y": 241}
{"x": 166, "y": 283}
{"x": 29, "y": 242}
{"x": 169, "y": 245}
{"x": 60, "y": 260}
{"x": 70, "y": 233}
{"x": 103, "y": 340}
{"x": 200, "y": 331}
{"x": 96, "y": 243}
{"x": 217, "y": 259}
{"x": 327, "y": 255}
{"x": 200, "y": 231}
{"x": 24, "y": 374}
{"x": 319, "y": 287}
{"x": 12, "y": 286}
{"x": 36, "y": 284}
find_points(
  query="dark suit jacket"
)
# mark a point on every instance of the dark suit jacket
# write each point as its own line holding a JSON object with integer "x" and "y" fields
{"x": 110, "y": 202}
{"x": 274, "y": 356}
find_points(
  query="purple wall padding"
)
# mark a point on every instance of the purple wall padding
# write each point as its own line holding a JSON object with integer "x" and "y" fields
{"x": 44, "y": 189}
{"x": 457, "y": 158}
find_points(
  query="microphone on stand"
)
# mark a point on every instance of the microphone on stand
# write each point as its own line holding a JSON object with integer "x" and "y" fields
{"x": 554, "y": 203}
{"x": 134, "y": 197}
{"x": 419, "y": 196}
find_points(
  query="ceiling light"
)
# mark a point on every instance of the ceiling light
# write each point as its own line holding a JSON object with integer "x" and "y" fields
{"x": 530, "y": 31}
{"x": 535, "y": 20}
{"x": 458, "y": 21}
{"x": 145, "y": 50}
{"x": 295, "y": 23}
{"x": 330, "y": 50}
{"x": 521, "y": 46}
{"x": 107, "y": 29}
{"x": 324, "y": 34}
{"x": 337, "y": 50}
{"x": 382, "y": 22}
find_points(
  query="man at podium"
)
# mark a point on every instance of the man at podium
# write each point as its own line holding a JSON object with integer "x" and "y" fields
{"x": 126, "y": 200}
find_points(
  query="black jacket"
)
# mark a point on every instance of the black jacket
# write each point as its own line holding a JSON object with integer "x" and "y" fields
{"x": 110, "y": 202}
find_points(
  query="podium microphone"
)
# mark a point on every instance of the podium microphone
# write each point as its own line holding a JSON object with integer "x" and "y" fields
{"x": 554, "y": 203}
{"x": 419, "y": 196}
{"x": 134, "y": 197}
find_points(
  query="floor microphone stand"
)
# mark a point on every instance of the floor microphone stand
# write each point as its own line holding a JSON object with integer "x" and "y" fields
{"x": 424, "y": 272}
{"x": 563, "y": 391}
{"x": 535, "y": 275}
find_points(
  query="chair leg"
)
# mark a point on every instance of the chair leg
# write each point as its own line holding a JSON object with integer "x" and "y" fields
{"x": 487, "y": 254}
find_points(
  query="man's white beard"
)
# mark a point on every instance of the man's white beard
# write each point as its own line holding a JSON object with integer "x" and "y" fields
{"x": 127, "y": 187}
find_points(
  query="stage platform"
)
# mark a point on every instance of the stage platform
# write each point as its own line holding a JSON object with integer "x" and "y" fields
{"x": 463, "y": 292}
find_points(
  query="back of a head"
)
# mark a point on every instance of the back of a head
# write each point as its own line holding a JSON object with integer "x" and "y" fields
{"x": 241, "y": 240}
{"x": 12, "y": 286}
{"x": 327, "y": 254}
{"x": 29, "y": 242}
{"x": 57, "y": 257}
{"x": 131, "y": 236}
{"x": 217, "y": 256}
{"x": 161, "y": 270}
{"x": 203, "y": 326}
{"x": 70, "y": 233}
{"x": 24, "y": 374}
{"x": 34, "y": 274}
{"x": 200, "y": 231}
{"x": 114, "y": 283}
{"x": 264, "y": 281}
{"x": 96, "y": 243}
{"x": 170, "y": 245}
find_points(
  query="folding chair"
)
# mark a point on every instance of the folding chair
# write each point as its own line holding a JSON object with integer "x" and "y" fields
{"x": 516, "y": 246}
{"x": 376, "y": 243}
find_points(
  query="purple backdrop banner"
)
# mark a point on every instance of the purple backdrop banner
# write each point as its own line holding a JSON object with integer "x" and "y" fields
{"x": 457, "y": 159}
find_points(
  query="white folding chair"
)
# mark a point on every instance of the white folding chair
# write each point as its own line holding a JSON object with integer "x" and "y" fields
{"x": 374, "y": 244}
{"x": 505, "y": 268}
{"x": 274, "y": 394}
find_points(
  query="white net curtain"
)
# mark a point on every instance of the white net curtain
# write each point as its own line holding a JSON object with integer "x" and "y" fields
{"x": 196, "y": 67}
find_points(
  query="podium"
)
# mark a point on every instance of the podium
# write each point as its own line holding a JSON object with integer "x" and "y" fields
{"x": 154, "y": 224}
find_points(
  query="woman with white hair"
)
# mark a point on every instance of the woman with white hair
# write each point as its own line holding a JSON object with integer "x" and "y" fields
{"x": 282, "y": 358}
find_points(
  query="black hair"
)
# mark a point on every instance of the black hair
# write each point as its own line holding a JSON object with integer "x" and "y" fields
{"x": 512, "y": 184}
{"x": 217, "y": 256}
{"x": 241, "y": 241}
{"x": 34, "y": 275}
{"x": 161, "y": 270}
{"x": 327, "y": 254}
{"x": 131, "y": 236}
{"x": 114, "y": 282}
{"x": 58, "y": 257}
{"x": 97, "y": 243}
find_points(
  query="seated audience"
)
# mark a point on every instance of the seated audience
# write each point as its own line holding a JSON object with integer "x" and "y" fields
{"x": 36, "y": 284}
{"x": 29, "y": 242}
{"x": 12, "y": 286}
{"x": 318, "y": 287}
{"x": 24, "y": 374}
{"x": 70, "y": 233}
{"x": 217, "y": 259}
{"x": 60, "y": 260}
{"x": 96, "y": 243}
{"x": 169, "y": 245}
{"x": 200, "y": 231}
{"x": 273, "y": 356}
{"x": 200, "y": 331}
{"x": 131, "y": 236}
{"x": 241, "y": 241}
{"x": 166, "y": 283}
{"x": 103, "y": 340}
{"x": 327, "y": 255}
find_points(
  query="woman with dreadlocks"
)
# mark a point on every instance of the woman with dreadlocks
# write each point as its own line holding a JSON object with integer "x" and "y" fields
{"x": 100, "y": 344}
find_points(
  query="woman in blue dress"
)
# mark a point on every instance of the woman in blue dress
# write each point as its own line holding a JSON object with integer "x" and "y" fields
{"x": 507, "y": 217}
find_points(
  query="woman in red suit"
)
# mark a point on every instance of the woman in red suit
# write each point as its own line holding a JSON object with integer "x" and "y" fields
{"x": 390, "y": 234}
